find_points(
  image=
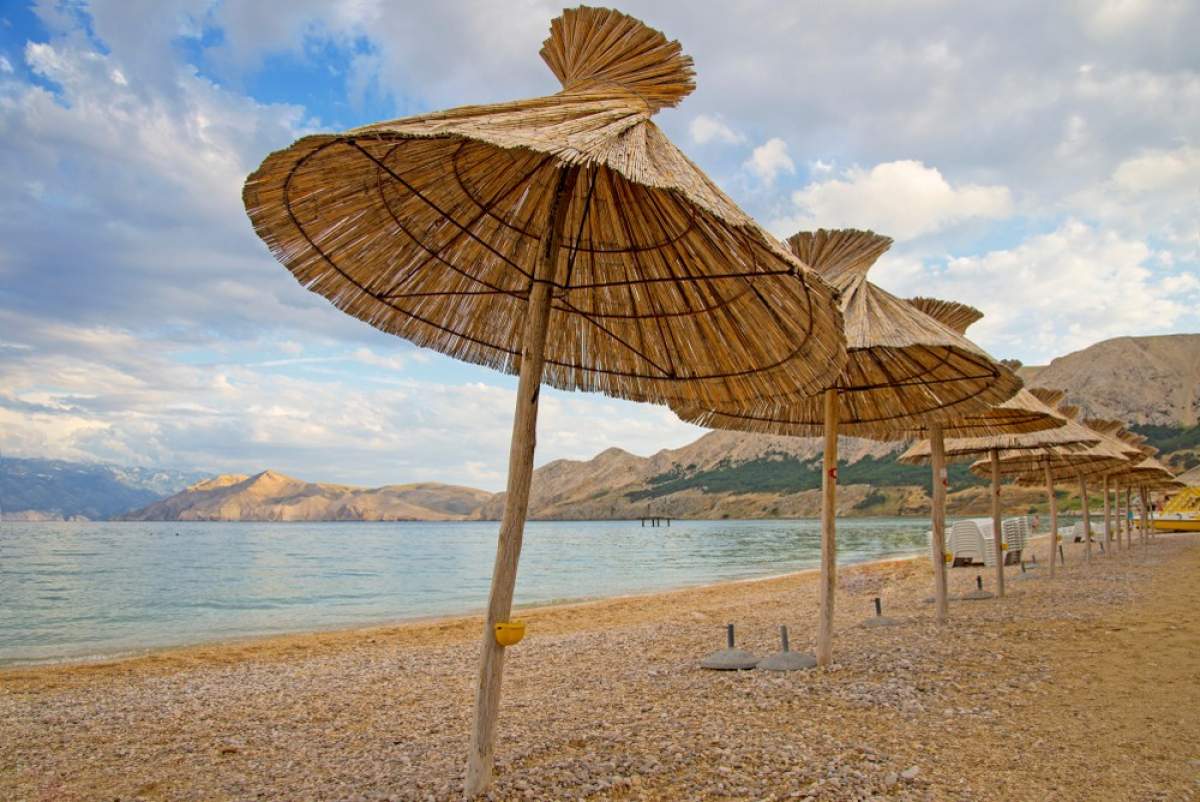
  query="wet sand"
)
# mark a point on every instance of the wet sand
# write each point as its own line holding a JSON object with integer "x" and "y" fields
{"x": 1082, "y": 687}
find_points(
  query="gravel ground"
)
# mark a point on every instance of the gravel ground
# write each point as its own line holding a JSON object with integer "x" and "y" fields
{"x": 1082, "y": 687}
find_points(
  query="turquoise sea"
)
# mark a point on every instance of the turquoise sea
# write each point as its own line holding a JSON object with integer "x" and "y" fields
{"x": 82, "y": 590}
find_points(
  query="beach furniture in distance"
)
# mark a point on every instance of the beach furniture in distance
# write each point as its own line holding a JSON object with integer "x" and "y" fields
{"x": 967, "y": 545}
{"x": 1025, "y": 421}
{"x": 1015, "y": 532}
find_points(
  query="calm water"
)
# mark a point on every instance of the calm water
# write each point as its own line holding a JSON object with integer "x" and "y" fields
{"x": 72, "y": 590}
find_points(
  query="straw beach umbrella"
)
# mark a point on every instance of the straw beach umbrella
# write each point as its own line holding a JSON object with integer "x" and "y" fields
{"x": 1008, "y": 425}
{"x": 1023, "y": 422}
{"x": 562, "y": 238}
{"x": 1058, "y": 463}
{"x": 1148, "y": 474}
{"x": 905, "y": 370}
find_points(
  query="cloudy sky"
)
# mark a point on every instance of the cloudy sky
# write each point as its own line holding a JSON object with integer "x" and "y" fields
{"x": 1038, "y": 160}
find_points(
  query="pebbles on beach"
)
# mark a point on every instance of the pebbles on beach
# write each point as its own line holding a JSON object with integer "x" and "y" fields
{"x": 607, "y": 701}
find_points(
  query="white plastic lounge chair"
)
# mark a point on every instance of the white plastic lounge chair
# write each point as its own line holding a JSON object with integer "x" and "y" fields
{"x": 967, "y": 544}
{"x": 1015, "y": 532}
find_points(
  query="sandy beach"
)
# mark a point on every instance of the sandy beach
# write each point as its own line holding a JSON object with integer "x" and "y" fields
{"x": 1078, "y": 688}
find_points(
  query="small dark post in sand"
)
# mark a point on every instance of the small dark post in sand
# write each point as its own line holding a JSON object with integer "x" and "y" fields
{"x": 979, "y": 593}
{"x": 879, "y": 619}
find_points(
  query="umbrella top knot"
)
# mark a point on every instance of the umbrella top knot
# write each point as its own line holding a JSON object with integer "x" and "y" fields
{"x": 599, "y": 48}
{"x": 1105, "y": 425}
{"x": 841, "y": 256}
{"x": 1048, "y": 396}
{"x": 951, "y": 314}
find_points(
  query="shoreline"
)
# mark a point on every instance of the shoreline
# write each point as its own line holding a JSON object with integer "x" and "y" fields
{"x": 240, "y": 645}
{"x": 604, "y": 700}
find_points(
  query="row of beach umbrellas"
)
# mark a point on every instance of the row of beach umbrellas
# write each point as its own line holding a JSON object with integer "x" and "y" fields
{"x": 565, "y": 239}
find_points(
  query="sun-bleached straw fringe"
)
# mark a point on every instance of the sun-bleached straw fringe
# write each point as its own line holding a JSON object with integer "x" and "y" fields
{"x": 905, "y": 368}
{"x": 1108, "y": 455}
{"x": 428, "y": 227}
{"x": 1024, "y": 412}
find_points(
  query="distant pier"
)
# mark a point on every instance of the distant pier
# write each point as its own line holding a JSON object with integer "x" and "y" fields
{"x": 656, "y": 520}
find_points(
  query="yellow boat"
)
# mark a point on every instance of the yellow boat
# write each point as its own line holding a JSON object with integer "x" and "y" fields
{"x": 1181, "y": 514}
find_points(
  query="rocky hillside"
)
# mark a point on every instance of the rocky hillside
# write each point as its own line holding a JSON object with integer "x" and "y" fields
{"x": 732, "y": 475}
{"x": 1145, "y": 380}
{"x": 271, "y": 496}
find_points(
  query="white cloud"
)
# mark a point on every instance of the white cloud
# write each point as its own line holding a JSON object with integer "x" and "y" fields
{"x": 5, "y": 65}
{"x": 770, "y": 159}
{"x": 1155, "y": 193}
{"x": 102, "y": 393}
{"x": 151, "y": 326}
{"x": 1157, "y": 170}
{"x": 902, "y": 199}
{"x": 1057, "y": 292}
{"x": 706, "y": 128}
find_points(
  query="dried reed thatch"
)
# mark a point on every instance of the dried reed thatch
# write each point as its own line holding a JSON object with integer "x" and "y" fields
{"x": 1027, "y": 467}
{"x": 1148, "y": 471}
{"x": 1024, "y": 409}
{"x": 1025, "y": 412}
{"x": 952, "y": 314}
{"x": 429, "y": 227}
{"x": 905, "y": 370}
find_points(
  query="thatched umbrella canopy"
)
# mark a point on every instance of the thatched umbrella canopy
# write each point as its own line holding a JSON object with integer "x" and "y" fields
{"x": 434, "y": 228}
{"x": 906, "y": 370}
{"x": 564, "y": 238}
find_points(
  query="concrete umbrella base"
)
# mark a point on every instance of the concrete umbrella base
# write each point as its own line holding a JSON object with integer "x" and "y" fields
{"x": 729, "y": 659}
{"x": 787, "y": 660}
{"x": 979, "y": 593}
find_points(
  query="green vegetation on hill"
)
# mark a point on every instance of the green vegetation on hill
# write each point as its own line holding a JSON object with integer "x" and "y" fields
{"x": 1169, "y": 438}
{"x": 782, "y": 473}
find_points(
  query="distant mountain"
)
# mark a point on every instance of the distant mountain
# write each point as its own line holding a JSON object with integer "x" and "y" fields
{"x": 271, "y": 496}
{"x": 1143, "y": 380}
{"x": 1151, "y": 382}
{"x": 43, "y": 489}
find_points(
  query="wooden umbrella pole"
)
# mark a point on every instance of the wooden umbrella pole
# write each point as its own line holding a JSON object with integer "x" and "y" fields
{"x": 1053, "y": 515}
{"x": 1145, "y": 535}
{"x": 1129, "y": 517}
{"x": 1087, "y": 518}
{"x": 937, "y": 447}
{"x": 1107, "y": 519}
{"x": 828, "y": 531}
{"x": 1117, "y": 513}
{"x": 997, "y": 537}
{"x": 516, "y": 503}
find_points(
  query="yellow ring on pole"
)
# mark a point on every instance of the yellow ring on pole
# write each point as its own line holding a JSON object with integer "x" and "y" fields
{"x": 510, "y": 633}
